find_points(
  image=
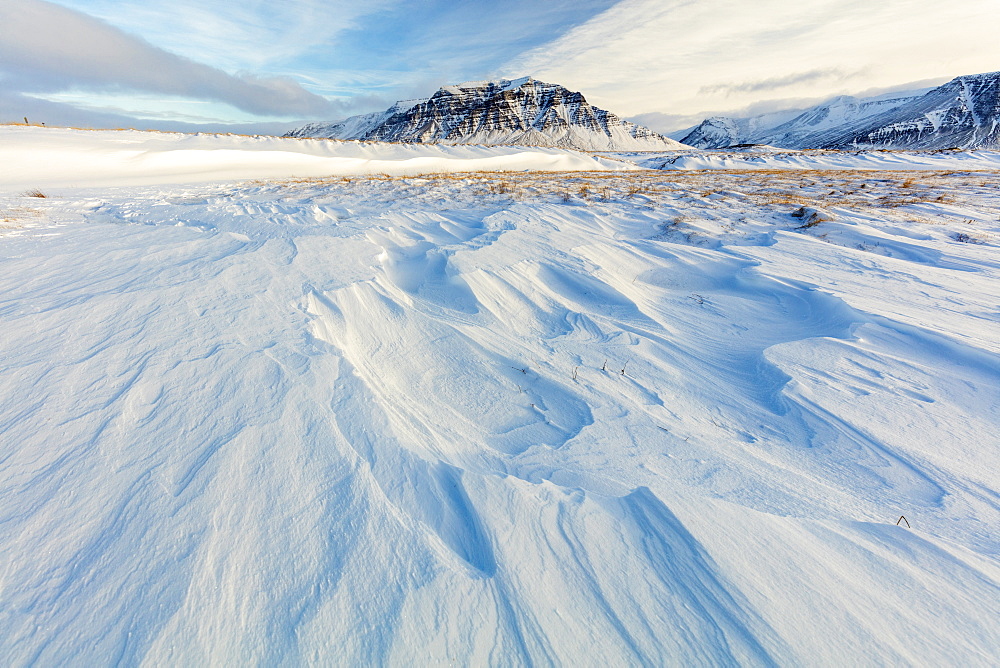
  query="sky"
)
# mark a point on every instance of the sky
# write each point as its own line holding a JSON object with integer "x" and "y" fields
{"x": 265, "y": 66}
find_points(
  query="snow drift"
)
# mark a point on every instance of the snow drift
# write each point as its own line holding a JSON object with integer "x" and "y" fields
{"x": 610, "y": 418}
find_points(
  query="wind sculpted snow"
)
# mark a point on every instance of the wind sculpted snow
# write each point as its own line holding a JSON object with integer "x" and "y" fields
{"x": 515, "y": 419}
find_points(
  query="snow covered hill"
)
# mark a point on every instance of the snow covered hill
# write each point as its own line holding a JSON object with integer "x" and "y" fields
{"x": 523, "y": 111}
{"x": 964, "y": 112}
{"x": 618, "y": 417}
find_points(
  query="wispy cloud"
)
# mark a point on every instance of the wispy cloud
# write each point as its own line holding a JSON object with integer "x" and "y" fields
{"x": 244, "y": 35}
{"x": 433, "y": 42}
{"x": 45, "y": 47}
{"x": 777, "y": 83}
{"x": 687, "y": 57}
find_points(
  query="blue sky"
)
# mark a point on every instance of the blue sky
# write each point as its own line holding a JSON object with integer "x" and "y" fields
{"x": 268, "y": 65}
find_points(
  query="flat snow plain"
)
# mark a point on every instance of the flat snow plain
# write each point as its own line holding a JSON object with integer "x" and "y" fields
{"x": 579, "y": 418}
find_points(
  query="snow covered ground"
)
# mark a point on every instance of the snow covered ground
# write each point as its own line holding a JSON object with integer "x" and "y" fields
{"x": 593, "y": 418}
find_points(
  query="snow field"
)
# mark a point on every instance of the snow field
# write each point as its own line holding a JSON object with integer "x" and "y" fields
{"x": 385, "y": 420}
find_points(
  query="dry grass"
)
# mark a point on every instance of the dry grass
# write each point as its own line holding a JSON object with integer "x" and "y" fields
{"x": 760, "y": 193}
{"x": 13, "y": 219}
{"x": 502, "y": 187}
{"x": 35, "y": 192}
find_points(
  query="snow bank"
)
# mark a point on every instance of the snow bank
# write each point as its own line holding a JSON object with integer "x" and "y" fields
{"x": 32, "y": 157}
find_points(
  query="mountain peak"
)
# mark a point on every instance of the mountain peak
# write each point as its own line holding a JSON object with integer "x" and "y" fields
{"x": 503, "y": 84}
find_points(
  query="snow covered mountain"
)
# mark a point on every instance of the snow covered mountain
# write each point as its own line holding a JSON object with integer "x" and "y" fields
{"x": 802, "y": 128}
{"x": 523, "y": 111}
{"x": 723, "y": 131}
{"x": 355, "y": 126}
{"x": 965, "y": 113}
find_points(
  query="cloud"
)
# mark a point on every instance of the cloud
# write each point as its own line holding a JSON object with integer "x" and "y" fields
{"x": 244, "y": 35}
{"x": 667, "y": 123}
{"x": 682, "y": 57}
{"x": 435, "y": 42}
{"x": 390, "y": 48}
{"x": 776, "y": 83}
{"x": 14, "y": 107}
{"x": 45, "y": 47}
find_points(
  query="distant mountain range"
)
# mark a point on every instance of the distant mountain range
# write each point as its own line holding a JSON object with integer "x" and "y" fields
{"x": 964, "y": 113}
{"x": 522, "y": 111}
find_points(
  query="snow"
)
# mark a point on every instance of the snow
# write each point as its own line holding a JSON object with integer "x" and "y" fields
{"x": 801, "y": 127}
{"x": 32, "y": 157}
{"x": 767, "y": 158}
{"x": 354, "y": 127}
{"x": 503, "y": 84}
{"x": 620, "y": 417}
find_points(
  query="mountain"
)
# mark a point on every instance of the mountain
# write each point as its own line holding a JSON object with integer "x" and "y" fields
{"x": 798, "y": 129}
{"x": 521, "y": 111}
{"x": 722, "y": 131}
{"x": 354, "y": 127}
{"x": 715, "y": 132}
{"x": 964, "y": 113}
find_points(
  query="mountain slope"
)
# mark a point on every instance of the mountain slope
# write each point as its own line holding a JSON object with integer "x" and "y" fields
{"x": 353, "y": 127}
{"x": 522, "y": 111}
{"x": 964, "y": 113}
